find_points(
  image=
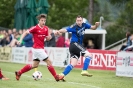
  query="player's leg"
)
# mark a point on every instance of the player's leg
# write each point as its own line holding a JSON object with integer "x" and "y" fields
{"x": 88, "y": 57}
{"x": 69, "y": 67}
{"x": 27, "y": 68}
{"x": 51, "y": 68}
{"x": 2, "y": 77}
{"x": 49, "y": 65}
{"x": 75, "y": 53}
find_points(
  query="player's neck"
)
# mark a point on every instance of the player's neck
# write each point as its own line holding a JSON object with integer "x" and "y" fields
{"x": 41, "y": 26}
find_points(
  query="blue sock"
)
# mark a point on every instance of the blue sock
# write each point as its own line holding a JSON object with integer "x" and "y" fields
{"x": 67, "y": 69}
{"x": 86, "y": 63}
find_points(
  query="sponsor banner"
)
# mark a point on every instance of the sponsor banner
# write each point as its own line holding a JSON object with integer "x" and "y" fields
{"x": 59, "y": 56}
{"x": 19, "y": 54}
{"x": 124, "y": 64}
{"x": 5, "y": 54}
{"x": 102, "y": 60}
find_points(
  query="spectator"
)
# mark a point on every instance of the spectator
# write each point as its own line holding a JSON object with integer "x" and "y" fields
{"x": 14, "y": 30}
{"x": 28, "y": 41}
{"x": 5, "y": 41}
{"x": 1, "y": 35}
{"x": 23, "y": 30}
{"x": 20, "y": 33}
{"x": 11, "y": 37}
{"x": 130, "y": 48}
{"x": 128, "y": 34}
{"x": 51, "y": 42}
{"x": 60, "y": 41}
{"x": 90, "y": 44}
{"x": 67, "y": 42}
{"x": 13, "y": 43}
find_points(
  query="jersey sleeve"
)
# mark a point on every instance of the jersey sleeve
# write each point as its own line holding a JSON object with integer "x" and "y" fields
{"x": 87, "y": 26}
{"x": 32, "y": 29}
{"x": 69, "y": 29}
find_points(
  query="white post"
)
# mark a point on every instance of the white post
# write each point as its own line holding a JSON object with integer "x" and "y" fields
{"x": 103, "y": 41}
{"x": 101, "y": 18}
{"x": 66, "y": 35}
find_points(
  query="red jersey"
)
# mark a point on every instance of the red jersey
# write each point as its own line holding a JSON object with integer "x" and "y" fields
{"x": 39, "y": 34}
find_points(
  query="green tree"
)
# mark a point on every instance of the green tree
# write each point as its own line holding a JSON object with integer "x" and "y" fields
{"x": 123, "y": 23}
{"x": 63, "y": 12}
{"x": 7, "y": 13}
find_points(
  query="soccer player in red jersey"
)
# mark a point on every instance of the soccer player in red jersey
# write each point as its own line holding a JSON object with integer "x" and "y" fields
{"x": 40, "y": 32}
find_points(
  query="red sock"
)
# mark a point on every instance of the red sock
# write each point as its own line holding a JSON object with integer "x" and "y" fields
{"x": 1, "y": 74}
{"x": 52, "y": 70}
{"x": 25, "y": 69}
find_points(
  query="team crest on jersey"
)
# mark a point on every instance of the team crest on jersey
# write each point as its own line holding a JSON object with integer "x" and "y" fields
{"x": 81, "y": 31}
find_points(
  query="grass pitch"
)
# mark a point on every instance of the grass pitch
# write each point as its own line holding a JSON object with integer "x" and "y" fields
{"x": 100, "y": 79}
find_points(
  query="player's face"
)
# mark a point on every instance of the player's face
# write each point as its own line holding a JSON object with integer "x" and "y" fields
{"x": 42, "y": 21}
{"x": 79, "y": 21}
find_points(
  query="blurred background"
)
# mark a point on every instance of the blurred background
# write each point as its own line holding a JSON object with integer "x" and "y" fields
{"x": 117, "y": 15}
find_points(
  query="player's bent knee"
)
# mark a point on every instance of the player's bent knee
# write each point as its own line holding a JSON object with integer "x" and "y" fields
{"x": 75, "y": 56}
{"x": 87, "y": 54}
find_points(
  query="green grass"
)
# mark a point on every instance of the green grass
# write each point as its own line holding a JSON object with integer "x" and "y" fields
{"x": 101, "y": 79}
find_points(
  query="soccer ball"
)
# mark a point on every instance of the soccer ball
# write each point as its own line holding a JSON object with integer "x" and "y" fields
{"x": 37, "y": 75}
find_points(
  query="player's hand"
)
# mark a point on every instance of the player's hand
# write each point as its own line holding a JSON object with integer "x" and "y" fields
{"x": 56, "y": 32}
{"x": 97, "y": 24}
{"x": 18, "y": 42}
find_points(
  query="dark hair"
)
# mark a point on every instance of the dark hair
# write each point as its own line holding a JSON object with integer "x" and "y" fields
{"x": 79, "y": 16}
{"x": 128, "y": 35}
{"x": 41, "y": 16}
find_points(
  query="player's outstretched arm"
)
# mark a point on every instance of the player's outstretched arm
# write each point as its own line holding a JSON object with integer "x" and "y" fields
{"x": 22, "y": 37}
{"x": 57, "y": 32}
{"x": 94, "y": 27}
{"x": 62, "y": 30}
{"x": 49, "y": 37}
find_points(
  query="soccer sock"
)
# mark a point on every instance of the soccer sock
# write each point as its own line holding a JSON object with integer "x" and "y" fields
{"x": 25, "y": 69}
{"x": 67, "y": 69}
{"x": 86, "y": 63}
{"x": 1, "y": 76}
{"x": 52, "y": 70}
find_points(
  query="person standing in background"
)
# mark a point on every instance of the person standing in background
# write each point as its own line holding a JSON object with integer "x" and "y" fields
{"x": 51, "y": 42}
{"x": 60, "y": 41}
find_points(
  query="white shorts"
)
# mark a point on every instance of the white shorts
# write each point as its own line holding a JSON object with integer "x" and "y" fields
{"x": 39, "y": 54}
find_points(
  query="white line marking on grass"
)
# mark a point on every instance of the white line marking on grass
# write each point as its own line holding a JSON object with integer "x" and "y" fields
{"x": 81, "y": 84}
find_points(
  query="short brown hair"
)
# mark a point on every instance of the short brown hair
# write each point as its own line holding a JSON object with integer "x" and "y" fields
{"x": 79, "y": 16}
{"x": 41, "y": 16}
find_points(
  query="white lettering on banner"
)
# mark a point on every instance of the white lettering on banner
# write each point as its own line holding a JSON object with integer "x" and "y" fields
{"x": 126, "y": 67}
{"x": 99, "y": 60}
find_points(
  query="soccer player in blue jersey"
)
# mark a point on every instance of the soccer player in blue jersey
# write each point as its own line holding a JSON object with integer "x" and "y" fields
{"x": 76, "y": 49}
